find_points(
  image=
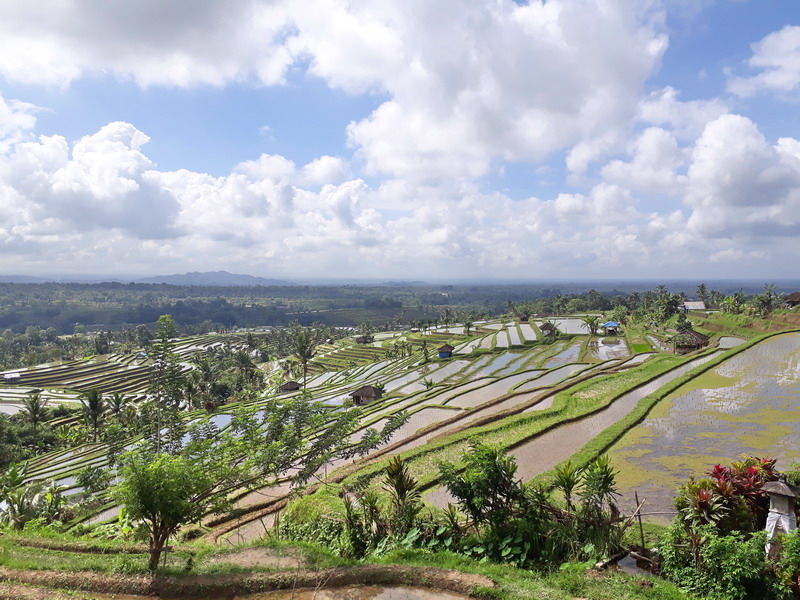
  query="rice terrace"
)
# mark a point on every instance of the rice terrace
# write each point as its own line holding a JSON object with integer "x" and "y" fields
{"x": 298, "y": 427}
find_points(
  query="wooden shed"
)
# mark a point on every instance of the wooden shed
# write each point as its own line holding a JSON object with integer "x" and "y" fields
{"x": 366, "y": 394}
{"x": 365, "y": 339}
{"x": 792, "y": 300}
{"x": 548, "y": 329}
{"x": 445, "y": 351}
{"x": 689, "y": 340}
{"x": 290, "y": 386}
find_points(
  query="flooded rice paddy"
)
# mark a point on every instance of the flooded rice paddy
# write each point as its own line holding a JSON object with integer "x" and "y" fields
{"x": 608, "y": 348}
{"x": 568, "y": 355}
{"x": 749, "y": 404}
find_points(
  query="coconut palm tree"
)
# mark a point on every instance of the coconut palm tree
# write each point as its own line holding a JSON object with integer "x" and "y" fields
{"x": 117, "y": 403}
{"x": 94, "y": 410}
{"x": 243, "y": 363}
{"x": 34, "y": 408}
{"x": 304, "y": 344}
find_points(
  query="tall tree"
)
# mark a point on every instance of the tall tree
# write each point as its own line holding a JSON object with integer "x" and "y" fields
{"x": 94, "y": 410}
{"x": 304, "y": 343}
{"x": 34, "y": 409}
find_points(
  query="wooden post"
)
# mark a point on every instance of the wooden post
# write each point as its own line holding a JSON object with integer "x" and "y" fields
{"x": 639, "y": 516}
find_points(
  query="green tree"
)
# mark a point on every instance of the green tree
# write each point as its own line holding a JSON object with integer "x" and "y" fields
{"x": 34, "y": 409}
{"x": 304, "y": 343}
{"x": 590, "y": 322}
{"x": 94, "y": 409}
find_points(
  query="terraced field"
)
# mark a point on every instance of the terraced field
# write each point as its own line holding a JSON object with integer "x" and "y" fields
{"x": 542, "y": 401}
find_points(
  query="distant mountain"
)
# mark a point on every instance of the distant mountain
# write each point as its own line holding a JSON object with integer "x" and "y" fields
{"x": 222, "y": 278}
{"x": 22, "y": 279}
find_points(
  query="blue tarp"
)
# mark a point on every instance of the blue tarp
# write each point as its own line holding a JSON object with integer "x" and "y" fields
{"x": 610, "y": 324}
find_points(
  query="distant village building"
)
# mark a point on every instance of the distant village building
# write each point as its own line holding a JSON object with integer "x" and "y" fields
{"x": 781, "y": 517}
{"x": 445, "y": 351}
{"x": 366, "y": 394}
{"x": 689, "y": 340}
{"x": 290, "y": 386}
{"x": 365, "y": 339}
{"x": 12, "y": 377}
{"x": 687, "y": 306}
{"x": 792, "y": 300}
{"x": 548, "y": 329}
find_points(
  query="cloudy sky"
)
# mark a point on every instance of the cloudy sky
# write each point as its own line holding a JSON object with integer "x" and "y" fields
{"x": 413, "y": 139}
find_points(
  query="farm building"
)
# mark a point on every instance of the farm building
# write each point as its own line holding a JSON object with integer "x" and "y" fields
{"x": 290, "y": 386}
{"x": 689, "y": 340}
{"x": 792, "y": 300}
{"x": 366, "y": 394}
{"x": 548, "y": 329}
{"x": 365, "y": 339}
{"x": 611, "y": 327}
{"x": 11, "y": 377}
{"x": 687, "y": 306}
{"x": 445, "y": 351}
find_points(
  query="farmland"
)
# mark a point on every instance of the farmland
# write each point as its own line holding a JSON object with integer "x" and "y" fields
{"x": 543, "y": 399}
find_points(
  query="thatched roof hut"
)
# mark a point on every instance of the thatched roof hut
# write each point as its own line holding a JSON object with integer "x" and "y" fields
{"x": 366, "y": 394}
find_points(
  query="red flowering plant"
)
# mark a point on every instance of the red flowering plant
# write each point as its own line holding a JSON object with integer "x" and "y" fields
{"x": 731, "y": 498}
{"x": 744, "y": 479}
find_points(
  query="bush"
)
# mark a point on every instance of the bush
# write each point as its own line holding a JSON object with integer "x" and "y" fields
{"x": 719, "y": 567}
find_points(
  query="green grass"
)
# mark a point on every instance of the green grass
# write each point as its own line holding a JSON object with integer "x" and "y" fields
{"x": 518, "y": 584}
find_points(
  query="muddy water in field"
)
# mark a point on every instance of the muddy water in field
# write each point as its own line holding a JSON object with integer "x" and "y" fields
{"x": 748, "y": 404}
{"x": 568, "y": 355}
{"x": 502, "y": 339}
{"x": 527, "y": 331}
{"x": 569, "y": 325}
{"x": 486, "y": 343}
{"x": 552, "y": 377}
{"x": 730, "y": 342}
{"x": 513, "y": 335}
{"x": 547, "y": 450}
{"x": 359, "y": 593}
{"x": 606, "y": 349}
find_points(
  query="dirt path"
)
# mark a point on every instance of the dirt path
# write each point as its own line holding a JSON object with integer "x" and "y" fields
{"x": 57, "y": 584}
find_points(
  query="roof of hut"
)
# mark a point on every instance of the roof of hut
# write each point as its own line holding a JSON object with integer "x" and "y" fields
{"x": 366, "y": 390}
{"x": 445, "y": 348}
{"x": 547, "y": 327}
{"x": 695, "y": 305}
{"x": 794, "y": 297}
{"x": 290, "y": 386}
{"x": 690, "y": 337}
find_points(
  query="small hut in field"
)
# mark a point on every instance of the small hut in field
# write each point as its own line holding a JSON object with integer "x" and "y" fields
{"x": 12, "y": 378}
{"x": 689, "y": 340}
{"x": 366, "y": 394}
{"x": 792, "y": 300}
{"x": 365, "y": 339}
{"x": 548, "y": 330}
{"x": 445, "y": 351}
{"x": 611, "y": 327}
{"x": 290, "y": 386}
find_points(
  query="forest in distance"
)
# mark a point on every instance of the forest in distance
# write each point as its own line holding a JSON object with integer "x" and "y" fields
{"x": 64, "y": 306}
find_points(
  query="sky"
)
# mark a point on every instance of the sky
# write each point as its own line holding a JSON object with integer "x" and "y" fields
{"x": 418, "y": 140}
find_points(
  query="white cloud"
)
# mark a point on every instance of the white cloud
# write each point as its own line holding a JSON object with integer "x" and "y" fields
{"x": 653, "y": 168}
{"x": 686, "y": 119}
{"x": 740, "y": 185}
{"x": 777, "y": 56}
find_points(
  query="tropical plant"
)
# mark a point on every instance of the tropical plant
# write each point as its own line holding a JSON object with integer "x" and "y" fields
{"x": 94, "y": 409}
{"x": 404, "y": 497}
{"x": 34, "y": 410}
{"x": 590, "y": 322}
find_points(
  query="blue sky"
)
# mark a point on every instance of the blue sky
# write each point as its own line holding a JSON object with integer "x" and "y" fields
{"x": 569, "y": 138}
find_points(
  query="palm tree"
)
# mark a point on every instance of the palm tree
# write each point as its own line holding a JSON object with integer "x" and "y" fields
{"x": 305, "y": 347}
{"x": 244, "y": 364}
{"x": 35, "y": 410}
{"x": 590, "y": 322}
{"x": 94, "y": 410}
{"x": 117, "y": 403}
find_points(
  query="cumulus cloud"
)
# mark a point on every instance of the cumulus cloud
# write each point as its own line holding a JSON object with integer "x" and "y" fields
{"x": 686, "y": 119}
{"x": 740, "y": 185}
{"x": 777, "y": 57}
{"x": 654, "y": 166}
